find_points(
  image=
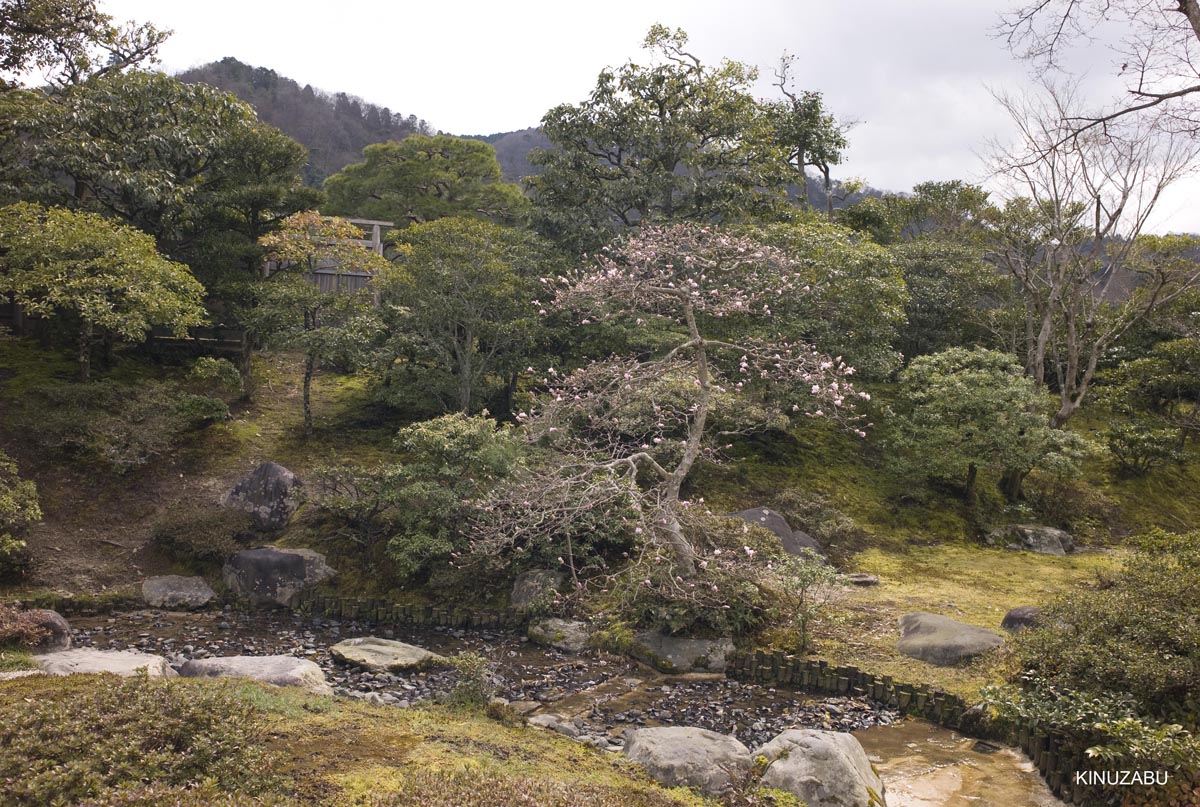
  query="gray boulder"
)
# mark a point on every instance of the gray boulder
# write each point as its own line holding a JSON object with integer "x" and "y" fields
{"x": 1032, "y": 538}
{"x": 176, "y": 591}
{"x": 861, "y": 579}
{"x": 679, "y": 756}
{"x": 119, "y": 662}
{"x": 793, "y": 540}
{"x": 673, "y": 654}
{"x": 383, "y": 655}
{"x": 534, "y": 587}
{"x": 58, "y": 630}
{"x": 268, "y": 494}
{"x": 284, "y": 671}
{"x": 272, "y": 575}
{"x": 567, "y": 635}
{"x": 1021, "y": 617}
{"x": 822, "y": 769}
{"x": 943, "y": 641}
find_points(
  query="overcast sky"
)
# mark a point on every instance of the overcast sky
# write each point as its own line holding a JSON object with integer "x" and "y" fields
{"x": 916, "y": 74}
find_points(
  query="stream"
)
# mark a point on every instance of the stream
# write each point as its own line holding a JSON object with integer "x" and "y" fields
{"x": 597, "y": 698}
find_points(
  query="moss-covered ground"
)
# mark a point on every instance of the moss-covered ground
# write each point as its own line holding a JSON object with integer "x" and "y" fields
{"x": 341, "y": 753}
{"x": 971, "y": 584}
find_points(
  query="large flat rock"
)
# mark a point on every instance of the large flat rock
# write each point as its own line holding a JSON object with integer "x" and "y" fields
{"x": 383, "y": 655}
{"x": 943, "y": 641}
{"x": 119, "y": 662}
{"x": 681, "y": 756}
{"x": 284, "y": 671}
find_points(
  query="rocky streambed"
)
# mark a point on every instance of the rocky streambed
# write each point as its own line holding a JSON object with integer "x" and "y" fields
{"x": 596, "y": 698}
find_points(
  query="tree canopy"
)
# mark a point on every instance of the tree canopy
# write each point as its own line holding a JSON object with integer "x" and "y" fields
{"x": 461, "y": 296}
{"x": 671, "y": 140}
{"x": 292, "y": 311}
{"x": 963, "y": 411}
{"x": 71, "y": 40}
{"x": 107, "y": 276}
{"x": 422, "y": 178}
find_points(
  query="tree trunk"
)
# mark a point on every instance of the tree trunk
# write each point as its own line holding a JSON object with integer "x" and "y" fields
{"x": 310, "y": 364}
{"x": 245, "y": 371}
{"x": 85, "y": 351}
{"x": 1012, "y": 484}
{"x": 685, "y": 555}
{"x": 969, "y": 492}
{"x": 464, "y": 383}
{"x": 510, "y": 393}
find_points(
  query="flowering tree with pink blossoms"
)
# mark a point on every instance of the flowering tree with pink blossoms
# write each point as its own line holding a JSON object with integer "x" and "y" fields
{"x": 622, "y": 435}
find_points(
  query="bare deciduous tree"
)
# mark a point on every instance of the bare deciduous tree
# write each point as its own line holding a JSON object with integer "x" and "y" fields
{"x": 1158, "y": 53}
{"x": 1070, "y": 235}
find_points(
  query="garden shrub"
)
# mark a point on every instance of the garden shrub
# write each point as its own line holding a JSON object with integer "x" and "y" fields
{"x": 474, "y": 788}
{"x": 1140, "y": 446}
{"x": 1116, "y": 666}
{"x": 418, "y": 510}
{"x": 813, "y": 514}
{"x": 117, "y": 425}
{"x": 1136, "y": 634}
{"x": 476, "y": 682}
{"x": 19, "y": 628}
{"x": 201, "y": 535}
{"x": 18, "y": 509}
{"x": 729, "y": 596}
{"x": 155, "y": 795}
{"x": 1071, "y": 504}
{"x": 77, "y": 741}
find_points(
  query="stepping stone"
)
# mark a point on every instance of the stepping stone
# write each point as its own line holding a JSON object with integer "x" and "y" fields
{"x": 284, "y": 671}
{"x": 384, "y": 655}
{"x": 119, "y": 662}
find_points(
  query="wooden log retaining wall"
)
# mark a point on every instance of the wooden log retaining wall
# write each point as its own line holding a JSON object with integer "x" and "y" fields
{"x": 391, "y": 613}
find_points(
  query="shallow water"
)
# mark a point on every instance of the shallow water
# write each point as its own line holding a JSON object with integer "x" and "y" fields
{"x": 923, "y": 765}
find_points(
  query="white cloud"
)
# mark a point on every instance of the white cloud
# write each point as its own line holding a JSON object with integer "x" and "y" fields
{"x": 915, "y": 73}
